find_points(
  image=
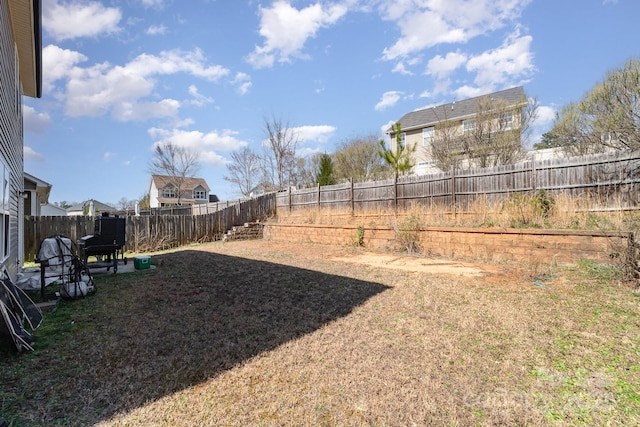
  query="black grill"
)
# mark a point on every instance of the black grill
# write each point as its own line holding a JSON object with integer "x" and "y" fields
{"x": 107, "y": 240}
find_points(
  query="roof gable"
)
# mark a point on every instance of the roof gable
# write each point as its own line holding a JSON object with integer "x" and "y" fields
{"x": 190, "y": 184}
{"x": 98, "y": 206}
{"x": 456, "y": 110}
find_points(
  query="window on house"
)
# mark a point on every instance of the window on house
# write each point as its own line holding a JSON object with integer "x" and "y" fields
{"x": 506, "y": 121}
{"x": 403, "y": 140}
{"x": 468, "y": 126}
{"x": 5, "y": 190}
{"x": 428, "y": 135}
{"x": 169, "y": 192}
{"x": 199, "y": 194}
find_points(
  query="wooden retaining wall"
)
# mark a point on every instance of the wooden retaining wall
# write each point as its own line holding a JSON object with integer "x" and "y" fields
{"x": 490, "y": 244}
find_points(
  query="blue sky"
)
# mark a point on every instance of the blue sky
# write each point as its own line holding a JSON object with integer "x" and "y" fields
{"x": 123, "y": 75}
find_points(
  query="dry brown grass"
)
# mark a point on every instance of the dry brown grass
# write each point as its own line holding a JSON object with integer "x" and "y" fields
{"x": 517, "y": 211}
{"x": 258, "y": 333}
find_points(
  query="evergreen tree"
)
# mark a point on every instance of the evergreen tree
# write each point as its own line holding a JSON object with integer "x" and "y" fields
{"x": 325, "y": 173}
{"x": 401, "y": 159}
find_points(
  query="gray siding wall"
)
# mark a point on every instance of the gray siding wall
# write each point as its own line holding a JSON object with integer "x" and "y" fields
{"x": 11, "y": 133}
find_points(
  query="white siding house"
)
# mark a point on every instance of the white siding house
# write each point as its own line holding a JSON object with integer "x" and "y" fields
{"x": 421, "y": 127}
{"x": 52, "y": 210}
{"x": 163, "y": 191}
{"x": 36, "y": 193}
{"x": 20, "y": 74}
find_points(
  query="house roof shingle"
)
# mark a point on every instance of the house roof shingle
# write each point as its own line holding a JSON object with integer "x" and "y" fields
{"x": 455, "y": 110}
{"x": 162, "y": 181}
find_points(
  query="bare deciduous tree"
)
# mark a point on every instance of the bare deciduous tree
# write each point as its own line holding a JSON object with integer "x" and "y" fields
{"x": 244, "y": 171}
{"x": 446, "y": 147}
{"x": 125, "y": 204}
{"x": 358, "y": 158}
{"x": 280, "y": 160}
{"x": 495, "y": 136}
{"x": 607, "y": 118}
{"x": 175, "y": 162}
{"x": 307, "y": 169}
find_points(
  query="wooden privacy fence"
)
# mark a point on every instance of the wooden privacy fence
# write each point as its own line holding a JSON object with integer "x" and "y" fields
{"x": 606, "y": 181}
{"x": 147, "y": 232}
{"x": 196, "y": 209}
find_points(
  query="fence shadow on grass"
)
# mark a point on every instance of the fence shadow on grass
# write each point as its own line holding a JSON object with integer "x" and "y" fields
{"x": 146, "y": 335}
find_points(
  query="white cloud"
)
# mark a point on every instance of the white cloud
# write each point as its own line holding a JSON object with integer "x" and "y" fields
{"x": 174, "y": 61}
{"x": 467, "y": 91}
{"x": 199, "y": 99}
{"x": 424, "y": 24}
{"x": 65, "y": 20}
{"x": 401, "y": 69}
{"x": 140, "y": 111}
{"x": 108, "y": 155}
{"x": 542, "y": 123}
{"x": 153, "y": 3}
{"x": 207, "y": 145}
{"x": 244, "y": 83}
{"x": 30, "y": 153}
{"x": 441, "y": 67}
{"x": 385, "y": 128}
{"x": 318, "y": 133}
{"x": 58, "y": 64}
{"x": 546, "y": 115}
{"x": 389, "y": 99}
{"x": 422, "y": 30}
{"x": 156, "y": 29}
{"x": 507, "y": 64}
{"x": 123, "y": 91}
{"x": 287, "y": 29}
{"x": 34, "y": 121}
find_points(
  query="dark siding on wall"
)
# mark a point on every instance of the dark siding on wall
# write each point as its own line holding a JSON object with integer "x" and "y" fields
{"x": 11, "y": 134}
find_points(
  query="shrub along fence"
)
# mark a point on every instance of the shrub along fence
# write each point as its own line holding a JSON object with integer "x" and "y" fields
{"x": 607, "y": 181}
{"x": 152, "y": 232}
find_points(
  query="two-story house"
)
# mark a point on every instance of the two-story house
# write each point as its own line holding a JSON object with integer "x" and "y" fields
{"x": 20, "y": 74}
{"x": 444, "y": 132}
{"x": 174, "y": 191}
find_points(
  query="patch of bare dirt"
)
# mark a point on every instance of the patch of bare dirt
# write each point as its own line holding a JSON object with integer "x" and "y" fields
{"x": 419, "y": 265}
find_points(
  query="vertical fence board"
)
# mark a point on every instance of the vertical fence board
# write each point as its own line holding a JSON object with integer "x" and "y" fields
{"x": 172, "y": 230}
{"x": 605, "y": 181}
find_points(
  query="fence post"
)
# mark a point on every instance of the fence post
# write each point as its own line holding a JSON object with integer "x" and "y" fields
{"x": 395, "y": 193}
{"x": 289, "y": 193}
{"x": 318, "y": 196}
{"x": 352, "y": 198}
{"x": 534, "y": 177}
{"x": 453, "y": 190}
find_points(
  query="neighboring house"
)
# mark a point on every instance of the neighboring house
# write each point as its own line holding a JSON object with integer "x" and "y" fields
{"x": 91, "y": 208}
{"x": 36, "y": 193}
{"x": 421, "y": 127}
{"x": 52, "y": 210}
{"x": 20, "y": 74}
{"x": 163, "y": 191}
